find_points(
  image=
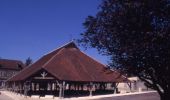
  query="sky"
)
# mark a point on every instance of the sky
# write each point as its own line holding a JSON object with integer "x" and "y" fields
{"x": 32, "y": 28}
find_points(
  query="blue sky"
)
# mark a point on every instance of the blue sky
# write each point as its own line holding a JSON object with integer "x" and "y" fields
{"x": 31, "y": 28}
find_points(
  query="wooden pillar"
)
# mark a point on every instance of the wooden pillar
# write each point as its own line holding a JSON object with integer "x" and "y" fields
{"x": 25, "y": 89}
{"x": 38, "y": 85}
{"x": 30, "y": 86}
{"x": 90, "y": 90}
{"x": 74, "y": 86}
{"x": 82, "y": 87}
{"x": 51, "y": 86}
{"x": 35, "y": 86}
{"x": 14, "y": 87}
{"x": 100, "y": 86}
{"x": 55, "y": 85}
{"x": 63, "y": 89}
{"x": 104, "y": 85}
{"x": 20, "y": 88}
{"x": 69, "y": 86}
{"x": 130, "y": 86}
{"x": 60, "y": 90}
{"x": 116, "y": 89}
{"x": 78, "y": 86}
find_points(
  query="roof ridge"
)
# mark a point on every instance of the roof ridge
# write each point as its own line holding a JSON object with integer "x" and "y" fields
{"x": 52, "y": 57}
{"x": 10, "y": 60}
{"x": 59, "y": 47}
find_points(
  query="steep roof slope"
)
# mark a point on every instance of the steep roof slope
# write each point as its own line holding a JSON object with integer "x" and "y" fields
{"x": 70, "y": 64}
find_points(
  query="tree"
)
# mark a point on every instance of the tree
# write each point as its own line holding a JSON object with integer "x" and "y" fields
{"x": 136, "y": 34}
{"x": 28, "y": 61}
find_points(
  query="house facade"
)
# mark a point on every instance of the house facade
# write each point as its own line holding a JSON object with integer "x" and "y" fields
{"x": 135, "y": 85}
{"x": 9, "y": 68}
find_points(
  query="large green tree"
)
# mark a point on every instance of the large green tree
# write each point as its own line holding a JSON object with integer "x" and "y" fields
{"x": 136, "y": 34}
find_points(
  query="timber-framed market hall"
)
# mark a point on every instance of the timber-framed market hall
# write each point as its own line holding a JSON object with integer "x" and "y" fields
{"x": 66, "y": 71}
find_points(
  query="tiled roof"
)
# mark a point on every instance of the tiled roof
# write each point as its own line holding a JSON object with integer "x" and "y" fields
{"x": 70, "y": 64}
{"x": 11, "y": 64}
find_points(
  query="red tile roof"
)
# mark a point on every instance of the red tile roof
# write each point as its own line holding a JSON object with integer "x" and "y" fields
{"x": 11, "y": 64}
{"x": 70, "y": 64}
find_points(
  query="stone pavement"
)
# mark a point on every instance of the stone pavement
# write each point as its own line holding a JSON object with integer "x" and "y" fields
{"x": 152, "y": 95}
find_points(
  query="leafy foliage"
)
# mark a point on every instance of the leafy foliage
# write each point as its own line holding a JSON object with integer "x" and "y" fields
{"x": 135, "y": 33}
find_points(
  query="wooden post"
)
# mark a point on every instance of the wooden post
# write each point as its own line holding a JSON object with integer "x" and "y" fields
{"x": 91, "y": 86}
{"x": 25, "y": 90}
{"x": 63, "y": 89}
{"x": 51, "y": 84}
{"x": 116, "y": 89}
{"x": 82, "y": 87}
{"x": 30, "y": 86}
{"x": 20, "y": 88}
{"x": 69, "y": 87}
{"x": 130, "y": 86}
{"x": 78, "y": 86}
{"x": 104, "y": 86}
{"x": 74, "y": 86}
{"x": 13, "y": 87}
{"x": 35, "y": 86}
{"x": 60, "y": 90}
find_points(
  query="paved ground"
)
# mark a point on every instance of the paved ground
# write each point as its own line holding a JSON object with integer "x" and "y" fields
{"x": 5, "y": 95}
{"x": 146, "y": 96}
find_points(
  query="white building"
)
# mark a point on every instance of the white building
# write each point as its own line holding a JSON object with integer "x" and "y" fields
{"x": 135, "y": 85}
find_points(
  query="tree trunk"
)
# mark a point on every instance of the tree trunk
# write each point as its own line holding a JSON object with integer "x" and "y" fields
{"x": 165, "y": 96}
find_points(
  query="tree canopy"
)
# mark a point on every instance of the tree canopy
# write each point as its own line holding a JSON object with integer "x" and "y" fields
{"x": 136, "y": 34}
{"x": 28, "y": 61}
